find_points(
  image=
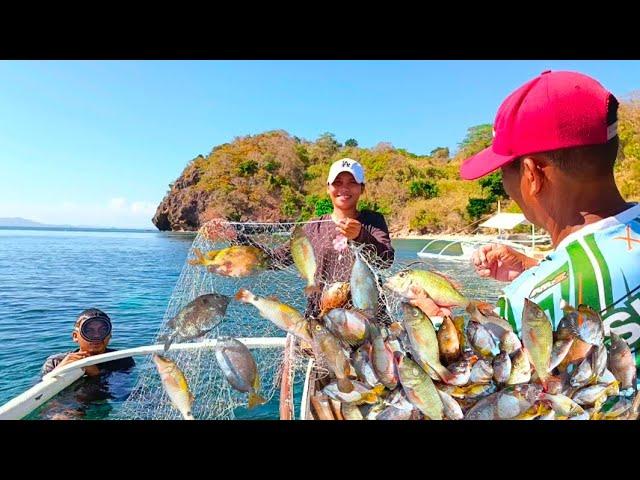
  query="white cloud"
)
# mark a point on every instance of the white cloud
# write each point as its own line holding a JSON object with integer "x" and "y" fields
{"x": 146, "y": 208}
{"x": 117, "y": 203}
{"x": 116, "y": 212}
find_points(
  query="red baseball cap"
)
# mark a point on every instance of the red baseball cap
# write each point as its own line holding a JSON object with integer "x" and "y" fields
{"x": 554, "y": 110}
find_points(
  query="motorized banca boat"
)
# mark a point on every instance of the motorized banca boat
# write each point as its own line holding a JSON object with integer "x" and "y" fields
{"x": 451, "y": 247}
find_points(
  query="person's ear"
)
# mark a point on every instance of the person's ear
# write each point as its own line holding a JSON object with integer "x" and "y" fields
{"x": 107, "y": 340}
{"x": 74, "y": 336}
{"x": 533, "y": 173}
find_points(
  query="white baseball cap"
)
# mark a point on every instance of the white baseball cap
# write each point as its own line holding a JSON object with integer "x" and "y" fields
{"x": 346, "y": 165}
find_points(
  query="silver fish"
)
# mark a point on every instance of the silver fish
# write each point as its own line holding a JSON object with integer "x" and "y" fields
{"x": 481, "y": 372}
{"x": 364, "y": 287}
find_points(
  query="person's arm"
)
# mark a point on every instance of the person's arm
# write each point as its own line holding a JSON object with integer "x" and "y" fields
{"x": 50, "y": 363}
{"x": 54, "y": 363}
{"x": 501, "y": 262}
{"x": 378, "y": 235}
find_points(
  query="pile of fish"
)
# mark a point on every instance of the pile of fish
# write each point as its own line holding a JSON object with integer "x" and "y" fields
{"x": 472, "y": 367}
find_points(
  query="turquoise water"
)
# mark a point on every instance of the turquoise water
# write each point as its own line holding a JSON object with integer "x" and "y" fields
{"x": 47, "y": 277}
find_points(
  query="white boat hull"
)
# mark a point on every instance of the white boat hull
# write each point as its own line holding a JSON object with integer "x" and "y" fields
{"x": 56, "y": 381}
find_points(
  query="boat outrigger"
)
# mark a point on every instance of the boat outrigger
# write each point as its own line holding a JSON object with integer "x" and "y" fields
{"x": 452, "y": 247}
{"x": 59, "y": 379}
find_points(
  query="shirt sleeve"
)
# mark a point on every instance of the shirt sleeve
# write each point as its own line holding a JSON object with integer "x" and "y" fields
{"x": 376, "y": 233}
{"x": 51, "y": 363}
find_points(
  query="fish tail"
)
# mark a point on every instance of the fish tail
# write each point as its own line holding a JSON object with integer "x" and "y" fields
{"x": 549, "y": 380}
{"x": 243, "y": 295}
{"x": 168, "y": 339}
{"x": 358, "y": 250}
{"x": 199, "y": 260}
{"x": 255, "y": 400}
{"x": 573, "y": 327}
{"x": 345, "y": 385}
{"x": 188, "y": 416}
{"x": 442, "y": 372}
{"x": 311, "y": 289}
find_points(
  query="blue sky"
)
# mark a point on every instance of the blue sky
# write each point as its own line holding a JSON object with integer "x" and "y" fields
{"x": 98, "y": 142}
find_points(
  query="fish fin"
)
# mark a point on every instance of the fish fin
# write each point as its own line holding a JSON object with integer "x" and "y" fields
{"x": 352, "y": 343}
{"x": 255, "y": 400}
{"x": 448, "y": 279}
{"x": 549, "y": 380}
{"x": 311, "y": 289}
{"x": 396, "y": 329}
{"x": 369, "y": 397}
{"x": 345, "y": 385}
{"x": 378, "y": 389}
{"x": 243, "y": 295}
{"x": 273, "y": 298}
{"x": 486, "y": 308}
{"x": 212, "y": 254}
{"x": 444, "y": 374}
{"x": 199, "y": 260}
{"x": 572, "y": 327}
{"x": 256, "y": 384}
{"x": 168, "y": 340}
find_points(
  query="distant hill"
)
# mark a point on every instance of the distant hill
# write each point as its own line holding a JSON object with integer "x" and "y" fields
{"x": 20, "y": 222}
{"x": 275, "y": 177}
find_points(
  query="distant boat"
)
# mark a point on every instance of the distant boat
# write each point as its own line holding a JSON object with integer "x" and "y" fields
{"x": 451, "y": 247}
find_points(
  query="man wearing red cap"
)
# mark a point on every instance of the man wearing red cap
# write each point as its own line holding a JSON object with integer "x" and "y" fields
{"x": 555, "y": 140}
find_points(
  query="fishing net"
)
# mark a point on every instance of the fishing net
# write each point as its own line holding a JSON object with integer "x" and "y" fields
{"x": 214, "y": 397}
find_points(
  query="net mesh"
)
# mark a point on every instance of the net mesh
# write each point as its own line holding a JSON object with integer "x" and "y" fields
{"x": 214, "y": 397}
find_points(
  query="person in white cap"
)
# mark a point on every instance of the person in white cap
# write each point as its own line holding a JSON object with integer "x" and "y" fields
{"x": 329, "y": 233}
{"x": 345, "y": 184}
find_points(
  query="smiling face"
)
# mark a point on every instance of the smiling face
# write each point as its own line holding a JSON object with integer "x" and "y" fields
{"x": 345, "y": 192}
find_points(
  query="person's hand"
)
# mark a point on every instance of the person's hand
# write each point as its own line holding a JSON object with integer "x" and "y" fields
{"x": 419, "y": 298}
{"x": 349, "y": 227}
{"x": 91, "y": 370}
{"x": 500, "y": 262}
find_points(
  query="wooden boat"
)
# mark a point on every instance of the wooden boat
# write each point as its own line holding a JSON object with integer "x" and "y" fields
{"x": 313, "y": 405}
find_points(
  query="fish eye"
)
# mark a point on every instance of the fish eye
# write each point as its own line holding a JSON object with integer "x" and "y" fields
{"x": 402, "y": 274}
{"x": 317, "y": 327}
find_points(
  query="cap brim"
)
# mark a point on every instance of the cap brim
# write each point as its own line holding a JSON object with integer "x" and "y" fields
{"x": 338, "y": 172}
{"x": 483, "y": 163}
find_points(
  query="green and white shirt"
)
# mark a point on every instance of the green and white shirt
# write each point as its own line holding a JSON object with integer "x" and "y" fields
{"x": 597, "y": 266}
